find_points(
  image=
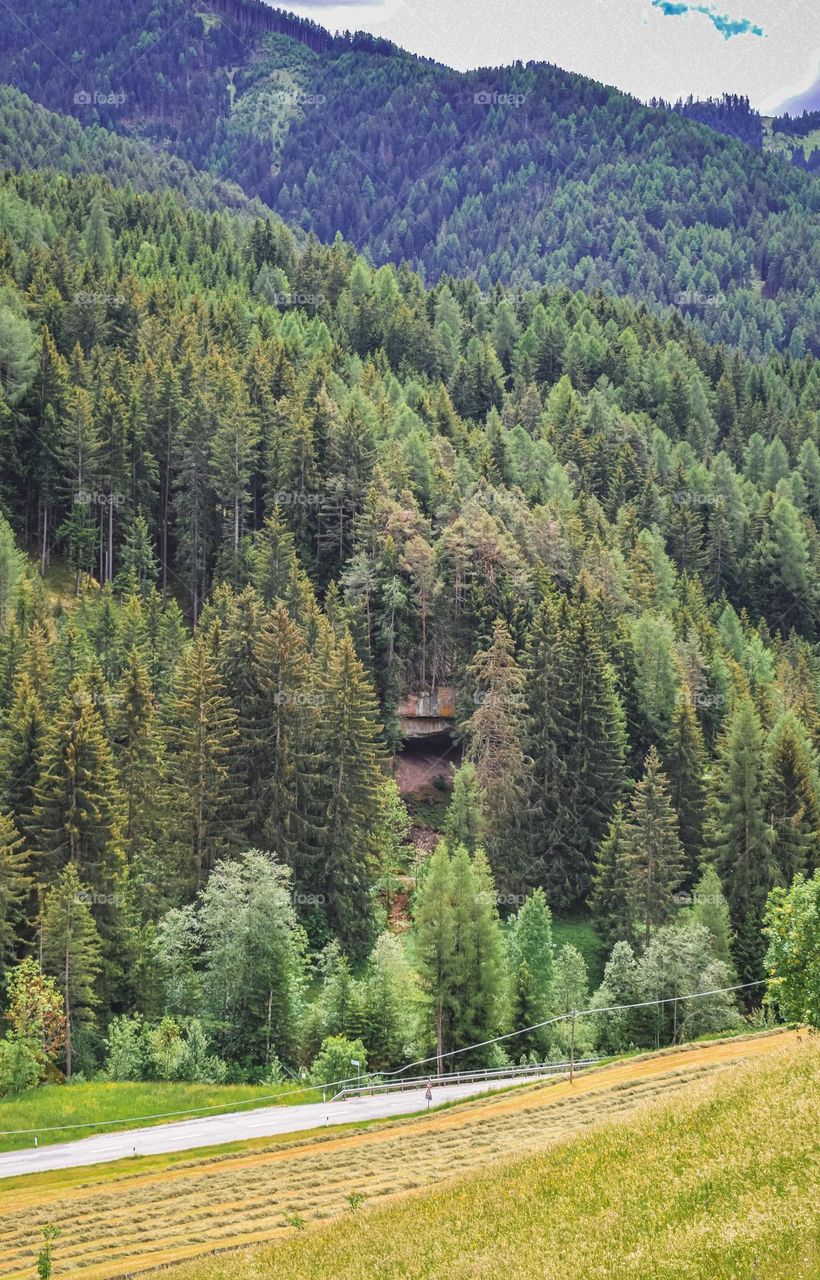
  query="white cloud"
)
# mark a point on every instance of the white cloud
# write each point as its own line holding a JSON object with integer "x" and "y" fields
{"x": 633, "y": 44}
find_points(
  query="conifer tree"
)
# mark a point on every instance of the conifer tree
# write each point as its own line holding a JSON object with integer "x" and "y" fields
{"x": 434, "y": 929}
{"x": 21, "y": 746}
{"x": 282, "y": 731}
{"x": 138, "y": 753}
{"x": 464, "y": 821}
{"x": 531, "y": 946}
{"x": 792, "y": 800}
{"x": 583, "y": 751}
{"x": 340, "y": 862}
{"x": 684, "y": 760}
{"x": 494, "y": 734}
{"x": 655, "y": 857}
{"x": 201, "y": 734}
{"x": 737, "y": 837}
{"x": 15, "y": 883}
{"x": 711, "y": 910}
{"x": 78, "y": 814}
{"x": 72, "y": 952}
{"x": 611, "y": 897}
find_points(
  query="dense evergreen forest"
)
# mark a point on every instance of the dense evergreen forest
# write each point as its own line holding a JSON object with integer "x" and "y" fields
{"x": 255, "y": 489}
{"x": 797, "y": 138}
{"x": 526, "y": 175}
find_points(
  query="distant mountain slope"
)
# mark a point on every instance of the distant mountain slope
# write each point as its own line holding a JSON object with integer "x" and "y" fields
{"x": 527, "y": 175}
{"x": 32, "y": 137}
{"x": 796, "y": 139}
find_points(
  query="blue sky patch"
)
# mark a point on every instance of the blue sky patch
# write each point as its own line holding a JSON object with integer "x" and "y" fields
{"x": 726, "y": 25}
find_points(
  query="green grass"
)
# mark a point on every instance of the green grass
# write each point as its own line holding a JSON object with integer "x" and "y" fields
{"x": 580, "y": 932}
{"x": 717, "y": 1183}
{"x": 107, "y": 1106}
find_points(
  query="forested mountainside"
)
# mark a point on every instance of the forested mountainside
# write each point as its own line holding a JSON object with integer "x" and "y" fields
{"x": 795, "y": 138}
{"x": 281, "y": 487}
{"x": 33, "y": 138}
{"x": 527, "y": 175}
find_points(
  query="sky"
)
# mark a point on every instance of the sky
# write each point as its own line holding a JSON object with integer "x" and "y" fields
{"x": 768, "y": 50}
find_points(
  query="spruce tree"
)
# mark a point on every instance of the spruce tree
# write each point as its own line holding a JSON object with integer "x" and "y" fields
{"x": 655, "y": 857}
{"x": 15, "y": 883}
{"x": 494, "y": 736}
{"x": 72, "y": 952}
{"x": 684, "y": 760}
{"x": 201, "y": 733}
{"x": 582, "y": 751}
{"x": 78, "y": 812}
{"x": 711, "y": 910}
{"x": 338, "y": 860}
{"x": 138, "y": 753}
{"x": 611, "y": 898}
{"x": 464, "y": 822}
{"x": 531, "y": 944}
{"x": 21, "y": 746}
{"x": 434, "y": 945}
{"x": 737, "y": 837}
{"x": 792, "y": 799}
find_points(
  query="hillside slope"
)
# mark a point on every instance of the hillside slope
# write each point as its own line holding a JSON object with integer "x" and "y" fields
{"x": 131, "y": 1216}
{"x": 32, "y": 137}
{"x": 524, "y": 175}
{"x": 692, "y": 1188}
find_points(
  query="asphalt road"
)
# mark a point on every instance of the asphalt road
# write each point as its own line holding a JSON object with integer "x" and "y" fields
{"x": 210, "y": 1131}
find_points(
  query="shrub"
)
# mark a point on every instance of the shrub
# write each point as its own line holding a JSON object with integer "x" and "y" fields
{"x": 334, "y": 1060}
{"x": 127, "y": 1052}
{"x": 19, "y": 1068}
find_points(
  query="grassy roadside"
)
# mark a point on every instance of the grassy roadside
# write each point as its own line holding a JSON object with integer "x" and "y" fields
{"x": 101, "y": 1107}
{"x": 715, "y": 1183}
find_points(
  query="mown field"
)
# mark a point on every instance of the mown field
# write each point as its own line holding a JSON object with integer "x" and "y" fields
{"x": 717, "y": 1182}
{"x": 123, "y": 1219}
{"x": 101, "y": 1107}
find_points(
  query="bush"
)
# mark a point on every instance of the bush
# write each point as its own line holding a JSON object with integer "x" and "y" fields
{"x": 196, "y": 1064}
{"x": 19, "y": 1068}
{"x": 334, "y": 1060}
{"x": 164, "y": 1052}
{"x": 127, "y": 1052}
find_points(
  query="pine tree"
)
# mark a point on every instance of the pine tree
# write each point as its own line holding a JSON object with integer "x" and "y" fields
{"x": 341, "y": 861}
{"x": 494, "y": 735}
{"x": 655, "y": 857}
{"x": 792, "y": 799}
{"x": 434, "y": 926}
{"x": 72, "y": 952}
{"x": 611, "y": 898}
{"x": 736, "y": 835}
{"x": 201, "y": 734}
{"x": 464, "y": 822}
{"x": 15, "y": 883}
{"x": 138, "y": 752}
{"x": 684, "y": 760}
{"x": 78, "y": 812}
